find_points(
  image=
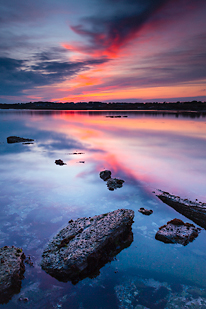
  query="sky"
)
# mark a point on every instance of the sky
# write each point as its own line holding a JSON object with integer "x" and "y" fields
{"x": 102, "y": 50}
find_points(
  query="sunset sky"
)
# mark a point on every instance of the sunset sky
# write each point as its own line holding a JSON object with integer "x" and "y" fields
{"x": 102, "y": 50}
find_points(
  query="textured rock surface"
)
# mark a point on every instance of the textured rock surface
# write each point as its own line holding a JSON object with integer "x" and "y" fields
{"x": 105, "y": 175}
{"x": 16, "y": 139}
{"x": 114, "y": 183}
{"x": 146, "y": 212}
{"x": 86, "y": 244}
{"x": 195, "y": 211}
{"x": 11, "y": 272}
{"x": 176, "y": 231}
{"x": 59, "y": 162}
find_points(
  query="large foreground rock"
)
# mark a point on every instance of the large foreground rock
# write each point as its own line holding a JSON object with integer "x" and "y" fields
{"x": 86, "y": 244}
{"x": 16, "y": 139}
{"x": 11, "y": 272}
{"x": 176, "y": 231}
{"x": 195, "y": 211}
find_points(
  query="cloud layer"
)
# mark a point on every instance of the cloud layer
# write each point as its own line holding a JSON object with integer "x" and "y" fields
{"x": 106, "y": 46}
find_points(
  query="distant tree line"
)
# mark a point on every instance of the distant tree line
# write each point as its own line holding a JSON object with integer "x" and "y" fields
{"x": 178, "y": 106}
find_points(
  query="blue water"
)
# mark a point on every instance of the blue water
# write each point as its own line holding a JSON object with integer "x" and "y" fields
{"x": 149, "y": 151}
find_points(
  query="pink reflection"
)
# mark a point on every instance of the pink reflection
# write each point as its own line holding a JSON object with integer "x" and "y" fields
{"x": 154, "y": 152}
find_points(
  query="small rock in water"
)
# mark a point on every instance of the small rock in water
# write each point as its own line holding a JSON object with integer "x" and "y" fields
{"x": 59, "y": 162}
{"x": 11, "y": 272}
{"x": 146, "y": 212}
{"x": 87, "y": 244}
{"x": 105, "y": 175}
{"x": 16, "y": 139}
{"x": 114, "y": 183}
{"x": 176, "y": 231}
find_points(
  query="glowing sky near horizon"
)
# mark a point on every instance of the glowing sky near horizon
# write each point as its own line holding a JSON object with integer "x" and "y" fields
{"x": 102, "y": 50}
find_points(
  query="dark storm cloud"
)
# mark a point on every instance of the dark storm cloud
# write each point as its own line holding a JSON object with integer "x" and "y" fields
{"x": 18, "y": 75}
{"x": 121, "y": 20}
{"x": 119, "y": 24}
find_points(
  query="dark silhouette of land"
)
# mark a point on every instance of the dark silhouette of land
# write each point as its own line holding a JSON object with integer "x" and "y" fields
{"x": 197, "y": 106}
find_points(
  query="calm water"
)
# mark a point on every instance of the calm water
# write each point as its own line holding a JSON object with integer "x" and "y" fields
{"x": 149, "y": 151}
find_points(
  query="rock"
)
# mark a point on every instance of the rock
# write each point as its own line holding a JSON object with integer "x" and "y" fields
{"x": 114, "y": 183}
{"x": 85, "y": 245}
{"x": 195, "y": 211}
{"x": 176, "y": 231}
{"x": 76, "y": 153}
{"x": 59, "y": 162}
{"x": 11, "y": 272}
{"x": 16, "y": 139}
{"x": 105, "y": 175}
{"x": 146, "y": 212}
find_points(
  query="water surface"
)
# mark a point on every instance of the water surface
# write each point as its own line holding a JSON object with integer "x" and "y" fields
{"x": 149, "y": 151}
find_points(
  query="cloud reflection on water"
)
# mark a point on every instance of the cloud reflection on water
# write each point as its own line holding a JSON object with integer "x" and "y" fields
{"x": 156, "y": 150}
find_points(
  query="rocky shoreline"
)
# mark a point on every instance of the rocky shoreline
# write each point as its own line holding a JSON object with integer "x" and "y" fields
{"x": 195, "y": 211}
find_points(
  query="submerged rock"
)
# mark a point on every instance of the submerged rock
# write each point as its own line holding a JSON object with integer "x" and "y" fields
{"x": 59, "y": 162}
{"x": 16, "y": 139}
{"x": 81, "y": 248}
{"x": 11, "y": 272}
{"x": 146, "y": 212}
{"x": 105, "y": 175}
{"x": 139, "y": 293}
{"x": 195, "y": 211}
{"x": 176, "y": 231}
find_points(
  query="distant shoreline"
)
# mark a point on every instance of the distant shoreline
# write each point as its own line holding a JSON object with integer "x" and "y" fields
{"x": 178, "y": 107}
